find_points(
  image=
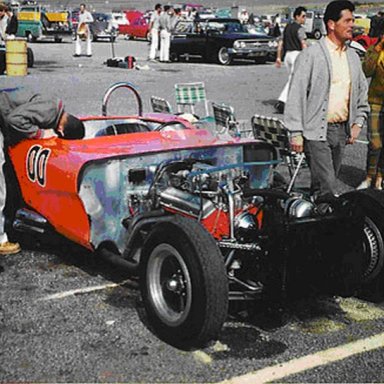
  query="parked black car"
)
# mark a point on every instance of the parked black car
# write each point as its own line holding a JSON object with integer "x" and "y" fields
{"x": 102, "y": 27}
{"x": 220, "y": 40}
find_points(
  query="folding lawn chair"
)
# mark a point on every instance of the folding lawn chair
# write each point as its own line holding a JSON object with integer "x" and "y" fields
{"x": 160, "y": 105}
{"x": 273, "y": 131}
{"x": 189, "y": 95}
{"x": 226, "y": 121}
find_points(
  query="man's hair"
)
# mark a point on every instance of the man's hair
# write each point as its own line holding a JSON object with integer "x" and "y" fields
{"x": 3, "y": 7}
{"x": 167, "y": 8}
{"x": 157, "y": 6}
{"x": 298, "y": 11}
{"x": 73, "y": 128}
{"x": 334, "y": 9}
{"x": 82, "y": 4}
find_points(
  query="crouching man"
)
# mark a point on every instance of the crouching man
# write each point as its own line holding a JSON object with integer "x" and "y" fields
{"x": 29, "y": 115}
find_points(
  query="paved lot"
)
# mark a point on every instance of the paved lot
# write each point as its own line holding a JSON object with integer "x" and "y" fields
{"x": 66, "y": 317}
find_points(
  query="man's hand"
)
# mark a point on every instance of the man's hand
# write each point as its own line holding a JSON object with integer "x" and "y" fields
{"x": 355, "y": 132}
{"x": 48, "y": 134}
{"x": 297, "y": 143}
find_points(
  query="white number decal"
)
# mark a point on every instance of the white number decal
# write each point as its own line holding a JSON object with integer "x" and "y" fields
{"x": 37, "y": 158}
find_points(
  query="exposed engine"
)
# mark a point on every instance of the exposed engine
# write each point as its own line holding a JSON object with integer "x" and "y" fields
{"x": 249, "y": 224}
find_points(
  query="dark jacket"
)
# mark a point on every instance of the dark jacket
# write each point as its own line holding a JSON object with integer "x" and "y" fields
{"x": 23, "y": 112}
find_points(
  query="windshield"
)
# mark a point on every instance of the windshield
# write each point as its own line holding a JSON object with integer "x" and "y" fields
{"x": 228, "y": 26}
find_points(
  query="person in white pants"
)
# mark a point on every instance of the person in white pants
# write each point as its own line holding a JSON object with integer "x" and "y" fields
{"x": 292, "y": 43}
{"x": 154, "y": 30}
{"x": 165, "y": 22}
{"x": 85, "y": 18}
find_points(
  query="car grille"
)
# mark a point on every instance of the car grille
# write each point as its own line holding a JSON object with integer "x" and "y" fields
{"x": 253, "y": 43}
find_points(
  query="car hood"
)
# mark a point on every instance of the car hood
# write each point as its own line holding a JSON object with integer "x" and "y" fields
{"x": 245, "y": 36}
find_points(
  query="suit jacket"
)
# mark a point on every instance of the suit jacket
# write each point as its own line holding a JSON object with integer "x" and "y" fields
{"x": 307, "y": 104}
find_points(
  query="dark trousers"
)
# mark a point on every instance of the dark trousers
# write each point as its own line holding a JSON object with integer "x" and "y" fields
{"x": 325, "y": 158}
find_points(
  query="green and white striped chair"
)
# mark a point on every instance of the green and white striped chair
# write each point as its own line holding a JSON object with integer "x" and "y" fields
{"x": 188, "y": 95}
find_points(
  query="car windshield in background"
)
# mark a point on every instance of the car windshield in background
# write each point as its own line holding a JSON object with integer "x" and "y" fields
{"x": 101, "y": 17}
{"x": 228, "y": 26}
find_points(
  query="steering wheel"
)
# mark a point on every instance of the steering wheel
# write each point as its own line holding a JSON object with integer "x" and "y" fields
{"x": 170, "y": 124}
{"x": 113, "y": 88}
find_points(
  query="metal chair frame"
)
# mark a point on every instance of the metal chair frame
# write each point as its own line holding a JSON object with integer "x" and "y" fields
{"x": 160, "y": 105}
{"x": 225, "y": 120}
{"x": 188, "y": 95}
{"x": 273, "y": 131}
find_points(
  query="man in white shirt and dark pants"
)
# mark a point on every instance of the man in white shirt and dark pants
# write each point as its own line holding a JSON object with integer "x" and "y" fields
{"x": 83, "y": 31}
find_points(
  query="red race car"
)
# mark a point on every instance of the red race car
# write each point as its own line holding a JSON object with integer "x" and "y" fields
{"x": 137, "y": 26}
{"x": 196, "y": 216}
{"x": 365, "y": 40}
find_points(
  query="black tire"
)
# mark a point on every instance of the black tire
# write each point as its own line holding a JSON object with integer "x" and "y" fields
{"x": 370, "y": 203}
{"x": 183, "y": 283}
{"x": 317, "y": 34}
{"x": 30, "y": 58}
{"x": 58, "y": 39}
{"x": 223, "y": 56}
{"x": 113, "y": 38}
{"x": 30, "y": 37}
{"x": 174, "y": 57}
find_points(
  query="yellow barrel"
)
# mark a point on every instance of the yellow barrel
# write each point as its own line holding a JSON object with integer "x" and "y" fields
{"x": 16, "y": 57}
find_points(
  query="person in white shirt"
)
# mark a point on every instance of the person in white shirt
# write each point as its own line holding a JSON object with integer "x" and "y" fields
{"x": 4, "y": 18}
{"x": 154, "y": 30}
{"x": 165, "y": 22}
{"x": 83, "y": 32}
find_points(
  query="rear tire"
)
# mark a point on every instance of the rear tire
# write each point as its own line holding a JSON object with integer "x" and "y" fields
{"x": 183, "y": 283}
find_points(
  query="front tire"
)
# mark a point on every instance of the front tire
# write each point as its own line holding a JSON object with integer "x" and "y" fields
{"x": 183, "y": 283}
{"x": 223, "y": 56}
{"x": 370, "y": 203}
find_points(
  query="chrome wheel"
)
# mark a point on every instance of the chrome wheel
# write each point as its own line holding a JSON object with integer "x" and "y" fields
{"x": 223, "y": 56}
{"x": 169, "y": 285}
{"x": 373, "y": 250}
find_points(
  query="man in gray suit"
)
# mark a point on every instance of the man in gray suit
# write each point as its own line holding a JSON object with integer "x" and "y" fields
{"x": 327, "y": 102}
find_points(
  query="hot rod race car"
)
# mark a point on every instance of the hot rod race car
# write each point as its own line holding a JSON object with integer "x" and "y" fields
{"x": 196, "y": 216}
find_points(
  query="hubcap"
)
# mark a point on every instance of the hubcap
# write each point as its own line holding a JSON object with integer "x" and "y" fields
{"x": 373, "y": 249}
{"x": 169, "y": 285}
{"x": 224, "y": 55}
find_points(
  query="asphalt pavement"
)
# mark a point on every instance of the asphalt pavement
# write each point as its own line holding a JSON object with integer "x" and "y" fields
{"x": 68, "y": 317}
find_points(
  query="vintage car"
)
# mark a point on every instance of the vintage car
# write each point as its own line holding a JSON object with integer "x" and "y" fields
{"x": 137, "y": 26}
{"x": 365, "y": 40}
{"x": 38, "y": 23}
{"x": 196, "y": 216}
{"x": 221, "y": 41}
{"x": 103, "y": 27}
